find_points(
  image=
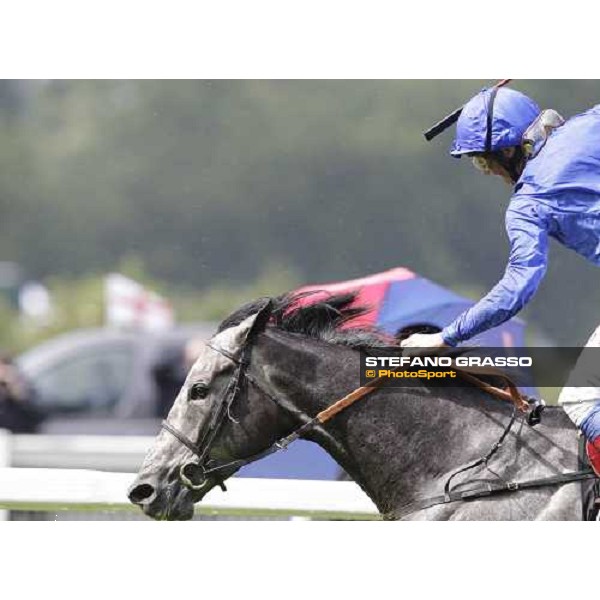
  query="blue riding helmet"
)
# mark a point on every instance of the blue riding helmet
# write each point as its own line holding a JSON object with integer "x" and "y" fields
{"x": 492, "y": 120}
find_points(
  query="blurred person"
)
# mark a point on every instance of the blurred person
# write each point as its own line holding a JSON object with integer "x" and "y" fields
{"x": 18, "y": 412}
{"x": 172, "y": 368}
{"x": 169, "y": 374}
{"x": 554, "y": 167}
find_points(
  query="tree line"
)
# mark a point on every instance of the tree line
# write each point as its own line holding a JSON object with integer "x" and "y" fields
{"x": 212, "y": 183}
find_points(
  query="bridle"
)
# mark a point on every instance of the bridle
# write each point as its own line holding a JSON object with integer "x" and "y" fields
{"x": 201, "y": 449}
{"x": 195, "y": 475}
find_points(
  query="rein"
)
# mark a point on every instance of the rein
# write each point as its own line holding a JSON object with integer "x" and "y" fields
{"x": 201, "y": 448}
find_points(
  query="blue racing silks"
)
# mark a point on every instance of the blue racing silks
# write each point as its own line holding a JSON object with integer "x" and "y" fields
{"x": 557, "y": 196}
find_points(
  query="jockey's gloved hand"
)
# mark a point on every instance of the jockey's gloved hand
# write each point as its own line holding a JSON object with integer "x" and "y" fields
{"x": 424, "y": 340}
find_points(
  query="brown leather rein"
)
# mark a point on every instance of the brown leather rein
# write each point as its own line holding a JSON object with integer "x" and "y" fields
{"x": 511, "y": 394}
{"x": 204, "y": 467}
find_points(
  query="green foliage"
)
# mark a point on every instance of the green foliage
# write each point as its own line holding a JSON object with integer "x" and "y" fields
{"x": 10, "y": 334}
{"x": 79, "y": 302}
{"x": 217, "y": 302}
{"x": 210, "y": 182}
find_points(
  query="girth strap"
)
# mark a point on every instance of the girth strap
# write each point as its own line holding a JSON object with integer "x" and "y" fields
{"x": 490, "y": 490}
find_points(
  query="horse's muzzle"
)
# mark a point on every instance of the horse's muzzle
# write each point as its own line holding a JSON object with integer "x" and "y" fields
{"x": 172, "y": 502}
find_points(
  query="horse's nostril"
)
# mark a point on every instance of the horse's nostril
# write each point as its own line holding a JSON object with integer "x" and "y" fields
{"x": 142, "y": 494}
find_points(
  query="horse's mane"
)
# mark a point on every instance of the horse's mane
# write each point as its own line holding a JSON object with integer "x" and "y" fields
{"x": 323, "y": 319}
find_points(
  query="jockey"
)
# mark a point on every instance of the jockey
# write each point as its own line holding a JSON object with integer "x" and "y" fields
{"x": 554, "y": 167}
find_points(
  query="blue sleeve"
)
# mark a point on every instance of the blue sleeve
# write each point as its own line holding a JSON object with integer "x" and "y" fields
{"x": 526, "y": 267}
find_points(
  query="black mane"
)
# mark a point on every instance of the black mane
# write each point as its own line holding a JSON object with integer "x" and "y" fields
{"x": 321, "y": 319}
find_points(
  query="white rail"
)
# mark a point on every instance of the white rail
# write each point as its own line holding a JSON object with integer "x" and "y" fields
{"x": 77, "y": 489}
{"x": 5, "y": 456}
{"x": 103, "y": 452}
{"x": 57, "y": 472}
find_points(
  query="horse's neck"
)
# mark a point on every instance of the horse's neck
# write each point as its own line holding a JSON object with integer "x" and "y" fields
{"x": 395, "y": 444}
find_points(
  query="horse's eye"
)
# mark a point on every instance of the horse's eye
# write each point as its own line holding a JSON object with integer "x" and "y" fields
{"x": 198, "y": 391}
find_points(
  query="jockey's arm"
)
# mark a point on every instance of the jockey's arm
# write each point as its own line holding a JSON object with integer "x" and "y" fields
{"x": 526, "y": 267}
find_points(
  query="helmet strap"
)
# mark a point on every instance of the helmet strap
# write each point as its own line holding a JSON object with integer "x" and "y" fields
{"x": 490, "y": 121}
{"x": 512, "y": 165}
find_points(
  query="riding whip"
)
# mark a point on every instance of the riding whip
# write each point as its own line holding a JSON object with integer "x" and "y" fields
{"x": 450, "y": 119}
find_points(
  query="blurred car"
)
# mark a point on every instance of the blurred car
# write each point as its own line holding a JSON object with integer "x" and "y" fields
{"x": 109, "y": 382}
{"x": 103, "y": 381}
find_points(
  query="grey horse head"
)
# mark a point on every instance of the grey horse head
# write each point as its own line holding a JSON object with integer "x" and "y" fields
{"x": 165, "y": 486}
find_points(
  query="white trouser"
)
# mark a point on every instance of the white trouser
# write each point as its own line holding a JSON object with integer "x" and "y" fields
{"x": 578, "y": 401}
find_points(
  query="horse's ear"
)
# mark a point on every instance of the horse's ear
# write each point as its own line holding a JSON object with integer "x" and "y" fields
{"x": 261, "y": 317}
{"x": 235, "y": 337}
